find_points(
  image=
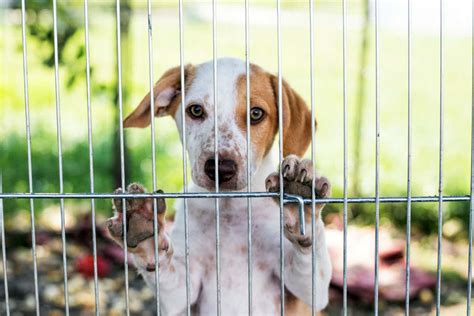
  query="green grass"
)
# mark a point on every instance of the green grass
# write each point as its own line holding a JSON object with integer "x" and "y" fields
{"x": 295, "y": 68}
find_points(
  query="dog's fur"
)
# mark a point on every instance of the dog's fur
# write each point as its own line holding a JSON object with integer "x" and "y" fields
{"x": 298, "y": 177}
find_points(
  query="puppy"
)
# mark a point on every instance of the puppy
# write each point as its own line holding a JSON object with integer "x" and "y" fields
{"x": 298, "y": 176}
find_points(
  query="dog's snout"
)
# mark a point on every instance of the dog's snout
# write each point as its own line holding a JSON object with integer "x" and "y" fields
{"x": 227, "y": 169}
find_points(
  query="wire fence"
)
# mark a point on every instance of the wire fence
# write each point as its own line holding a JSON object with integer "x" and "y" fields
{"x": 345, "y": 200}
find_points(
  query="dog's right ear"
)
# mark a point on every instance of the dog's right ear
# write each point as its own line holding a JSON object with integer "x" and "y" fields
{"x": 166, "y": 96}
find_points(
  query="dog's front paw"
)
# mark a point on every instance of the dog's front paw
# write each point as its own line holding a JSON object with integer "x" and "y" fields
{"x": 298, "y": 177}
{"x": 139, "y": 219}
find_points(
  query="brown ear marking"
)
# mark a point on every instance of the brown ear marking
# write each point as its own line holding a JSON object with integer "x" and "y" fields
{"x": 296, "y": 119}
{"x": 166, "y": 94}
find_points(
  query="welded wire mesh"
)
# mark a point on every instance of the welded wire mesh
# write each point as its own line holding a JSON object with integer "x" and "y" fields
{"x": 248, "y": 194}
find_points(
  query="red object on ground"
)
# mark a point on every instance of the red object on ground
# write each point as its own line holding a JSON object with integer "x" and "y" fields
{"x": 85, "y": 266}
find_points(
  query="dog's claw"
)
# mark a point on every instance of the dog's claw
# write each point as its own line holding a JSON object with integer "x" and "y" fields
{"x": 303, "y": 176}
{"x": 286, "y": 169}
{"x": 298, "y": 178}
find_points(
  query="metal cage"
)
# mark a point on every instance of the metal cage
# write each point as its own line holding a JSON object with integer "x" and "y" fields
{"x": 32, "y": 196}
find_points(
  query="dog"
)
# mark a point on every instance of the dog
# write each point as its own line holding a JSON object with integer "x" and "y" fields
{"x": 298, "y": 175}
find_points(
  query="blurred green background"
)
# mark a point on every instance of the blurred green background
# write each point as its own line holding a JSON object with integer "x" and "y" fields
{"x": 230, "y": 42}
{"x": 457, "y": 96}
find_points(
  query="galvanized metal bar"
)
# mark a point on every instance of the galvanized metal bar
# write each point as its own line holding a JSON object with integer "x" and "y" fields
{"x": 4, "y": 254}
{"x": 345, "y": 163}
{"x": 153, "y": 153}
{"x": 216, "y": 153}
{"x": 441, "y": 152}
{"x": 377, "y": 162}
{"x": 249, "y": 164}
{"x": 409, "y": 168}
{"x": 292, "y": 198}
{"x": 122, "y": 154}
{"x": 314, "y": 263}
{"x": 28, "y": 146}
{"x": 91, "y": 152}
{"x": 184, "y": 157}
{"x": 60, "y": 154}
{"x": 471, "y": 208}
{"x": 211, "y": 195}
{"x": 280, "y": 160}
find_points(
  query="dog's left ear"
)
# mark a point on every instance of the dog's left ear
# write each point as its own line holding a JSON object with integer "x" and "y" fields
{"x": 166, "y": 95}
{"x": 296, "y": 120}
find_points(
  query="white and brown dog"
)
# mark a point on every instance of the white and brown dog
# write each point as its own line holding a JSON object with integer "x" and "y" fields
{"x": 298, "y": 177}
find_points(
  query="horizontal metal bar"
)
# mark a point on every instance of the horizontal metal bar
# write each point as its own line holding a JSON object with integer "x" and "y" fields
{"x": 210, "y": 195}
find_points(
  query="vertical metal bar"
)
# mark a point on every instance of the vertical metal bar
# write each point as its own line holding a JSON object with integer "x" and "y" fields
{"x": 314, "y": 266}
{"x": 249, "y": 164}
{"x": 441, "y": 150}
{"x": 91, "y": 152}
{"x": 280, "y": 159}
{"x": 216, "y": 152}
{"x": 28, "y": 143}
{"x": 185, "y": 165}
{"x": 122, "y": 154}
{"x": 377, "y": 161}
{"x": 409, "y": 171}
{"x": 60, "y": 154}
{"x": 345, "y": 117}
{"x": 471, "y": 209}
{"x": 4, "y": 254}
{"x": 153, "y": 153}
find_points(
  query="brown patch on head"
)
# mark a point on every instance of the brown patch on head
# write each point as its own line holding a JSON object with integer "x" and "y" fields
{"x": 264, "y": 94}
{"x": 167, "y": 97}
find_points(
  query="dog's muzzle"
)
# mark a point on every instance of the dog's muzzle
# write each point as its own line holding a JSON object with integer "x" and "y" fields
{"x": 227, "y": 169}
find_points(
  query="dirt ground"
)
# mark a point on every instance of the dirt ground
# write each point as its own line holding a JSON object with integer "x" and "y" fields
{"x": 142, "y": 299}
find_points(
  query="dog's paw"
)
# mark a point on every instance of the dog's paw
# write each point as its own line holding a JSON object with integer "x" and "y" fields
{"x": 298, "y": 177}
{"x": 139, "y": 219}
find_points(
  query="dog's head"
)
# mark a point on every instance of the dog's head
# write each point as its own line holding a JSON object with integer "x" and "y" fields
{"x": 231, "y": 118}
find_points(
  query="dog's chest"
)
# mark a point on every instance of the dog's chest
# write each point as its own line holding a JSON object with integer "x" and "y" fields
{"x": 233, "y": 246}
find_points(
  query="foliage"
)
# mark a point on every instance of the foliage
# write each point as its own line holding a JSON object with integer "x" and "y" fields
{"x": 76, "y": 167}
{"x": 69, "y": 26}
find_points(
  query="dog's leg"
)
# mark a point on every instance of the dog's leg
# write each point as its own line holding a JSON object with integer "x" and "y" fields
{"x": 298, "y": 176}
{"x": 140, "y": 242}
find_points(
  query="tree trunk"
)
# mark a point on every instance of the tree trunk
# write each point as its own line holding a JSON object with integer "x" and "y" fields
{"x": 361, "y": 104}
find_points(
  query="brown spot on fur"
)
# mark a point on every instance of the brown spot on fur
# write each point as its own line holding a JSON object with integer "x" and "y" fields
{"x": 294, "y": 306}
{"x": 171, "y": 268}
{"x": 262, "y": 266}
{"x": 321, "y": 273}
{"x": 264, "y": 93}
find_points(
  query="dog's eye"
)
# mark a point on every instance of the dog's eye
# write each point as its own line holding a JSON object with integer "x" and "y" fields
{"x": 256, "y": 115}
{"x": 196, "y": 111}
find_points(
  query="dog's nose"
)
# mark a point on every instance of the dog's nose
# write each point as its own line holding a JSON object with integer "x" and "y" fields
{"x": 227, "y": 169}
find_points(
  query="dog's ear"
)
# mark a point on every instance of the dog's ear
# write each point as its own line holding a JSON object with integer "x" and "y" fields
{"x": 296, "y": 119}
{"x": 167, "y": 97}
